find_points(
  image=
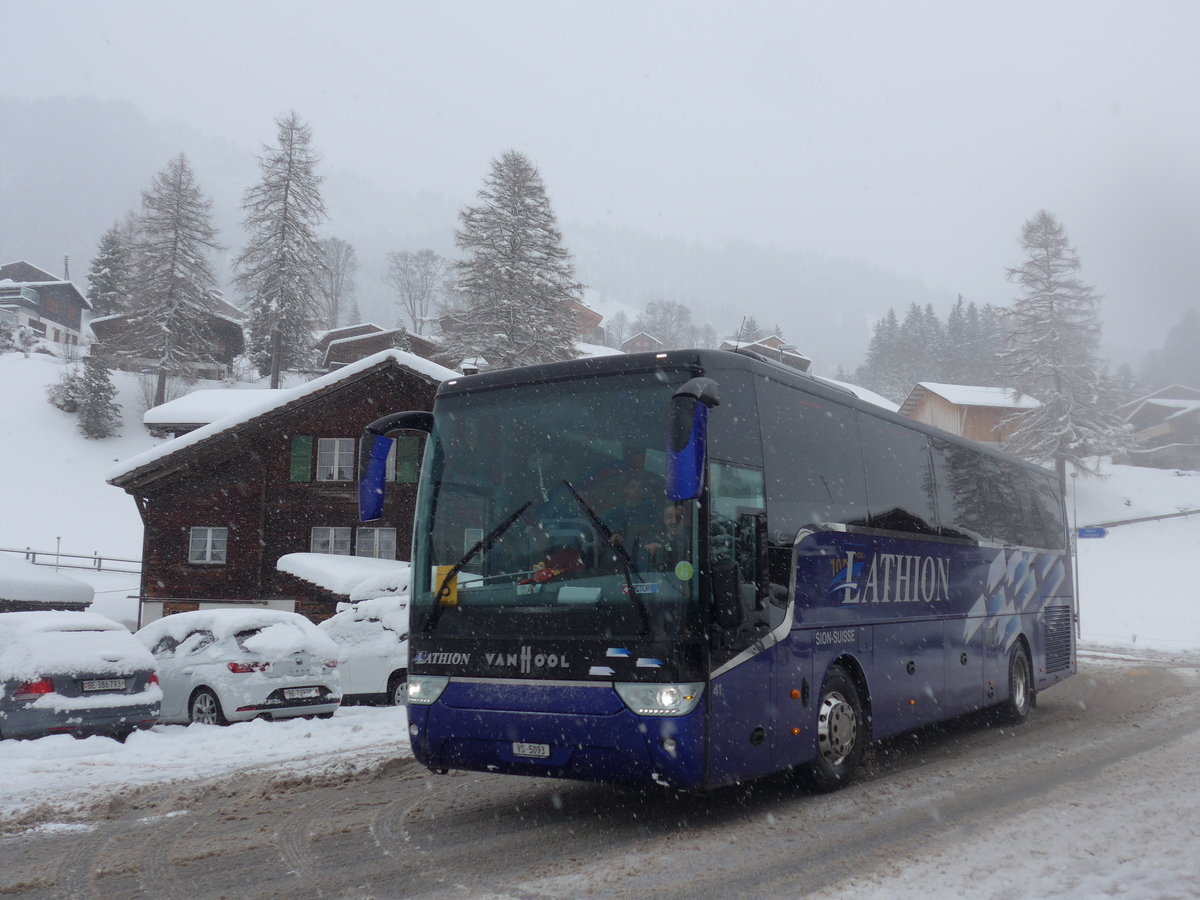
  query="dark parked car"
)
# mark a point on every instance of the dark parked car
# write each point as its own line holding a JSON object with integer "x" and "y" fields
{"x": 73, "y": 673}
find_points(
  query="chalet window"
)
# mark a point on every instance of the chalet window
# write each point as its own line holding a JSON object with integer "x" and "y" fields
{"x": 207, "y": 545}
{"x": 377, "y": 542}
{"x": 331, "y": 540}
{"x": 335, "y": 459}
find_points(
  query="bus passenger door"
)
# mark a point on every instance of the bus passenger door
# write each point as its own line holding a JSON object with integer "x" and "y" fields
{"x": 741, "y": 704}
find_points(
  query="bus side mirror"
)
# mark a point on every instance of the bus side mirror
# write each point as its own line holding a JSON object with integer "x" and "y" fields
{"x": 687, "y": 437}
{"x": 373, "y": 453}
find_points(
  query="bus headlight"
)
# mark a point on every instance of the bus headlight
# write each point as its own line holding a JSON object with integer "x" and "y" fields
{"x": 425, "y": 689}
{"x": 660, "y": 699}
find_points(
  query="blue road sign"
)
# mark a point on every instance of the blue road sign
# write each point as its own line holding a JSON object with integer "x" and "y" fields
{"x": 1092, "y": 531}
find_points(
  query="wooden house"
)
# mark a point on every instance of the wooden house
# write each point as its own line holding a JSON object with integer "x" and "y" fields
{"x": 1166, "y": 427}
{"x": 976, "y": 413}
{"x": 221, "y": 504}
{"x": 49, "y": 306}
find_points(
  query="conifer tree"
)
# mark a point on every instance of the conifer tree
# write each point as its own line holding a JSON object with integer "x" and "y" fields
{"x": 1053, "y": 339}
{"x": 517, "y": 279}
{"x": 280, "y": 269}
{"x": 172, "y": 291}
{"x": 99, "y": 415}
{"x": 108, "y": 277}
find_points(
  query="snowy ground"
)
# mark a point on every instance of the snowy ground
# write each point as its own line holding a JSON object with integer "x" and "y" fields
{"x": 1136, "y": 597}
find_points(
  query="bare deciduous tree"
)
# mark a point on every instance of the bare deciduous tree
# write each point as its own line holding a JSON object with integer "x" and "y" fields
{"x": 418, "y": 279}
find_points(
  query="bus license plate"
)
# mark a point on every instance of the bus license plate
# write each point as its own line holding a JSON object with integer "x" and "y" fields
{"x": 299, "y": 693}
{"x": 104, "y": 684}
{"x": 537, "y": 751}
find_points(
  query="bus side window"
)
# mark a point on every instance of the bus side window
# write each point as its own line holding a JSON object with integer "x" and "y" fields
{"x": 737, "y": 542}
{"x": 813, "y": 459}
{"x": 900, "y": 491}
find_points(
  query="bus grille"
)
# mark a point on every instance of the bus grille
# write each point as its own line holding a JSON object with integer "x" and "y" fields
{"x": 1056, "y": 638}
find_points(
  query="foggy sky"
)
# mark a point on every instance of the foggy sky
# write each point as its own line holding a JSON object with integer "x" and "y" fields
{"x": 915, "y": 136}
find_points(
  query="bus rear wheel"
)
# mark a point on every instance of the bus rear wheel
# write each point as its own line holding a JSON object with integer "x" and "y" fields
{"x": 841, "y": 733}
{"x": 1015, "y": 709}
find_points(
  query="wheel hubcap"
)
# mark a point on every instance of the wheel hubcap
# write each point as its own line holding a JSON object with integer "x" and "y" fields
{"x": 1021, "y": 685}
{"x": 204, "y": 710}
{"x": 837, "y": 728}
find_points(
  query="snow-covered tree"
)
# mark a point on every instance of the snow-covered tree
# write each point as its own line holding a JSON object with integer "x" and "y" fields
{"x": 517, "y": 278}
{"x": 749, "y": 331}
{"x": 279, "y": 271}
{"x": 172, "y": 289}
{"x": 1054, "y": 336}
{"x": 616, "y": 329}
{"x": 108, "y": 278}
{"x": 99, "y": 415}
{"x": 337, "y": 281}
{"x": 1178, "y": 362}
{"x": 418, "y": 279}
{"x": 669, "y": 321}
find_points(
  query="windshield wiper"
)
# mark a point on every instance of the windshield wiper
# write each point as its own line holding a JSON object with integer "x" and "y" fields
{"x": 481, "y": 546}
{"x": 622, "y": 554}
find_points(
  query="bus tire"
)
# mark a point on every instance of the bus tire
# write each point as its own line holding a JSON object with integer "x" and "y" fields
{"x": 1015, "y": 709}
{"x": 841, "y": 733}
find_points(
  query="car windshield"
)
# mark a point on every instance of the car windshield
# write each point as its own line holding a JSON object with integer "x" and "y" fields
{"x": 548, "y": 514}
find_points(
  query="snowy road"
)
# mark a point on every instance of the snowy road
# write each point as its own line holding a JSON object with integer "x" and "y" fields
{"x": 1095, "y": 794}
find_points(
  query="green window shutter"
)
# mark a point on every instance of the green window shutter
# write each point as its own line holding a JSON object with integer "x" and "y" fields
{"x": 408, "y": 458}
{"x": 302, "y": 445}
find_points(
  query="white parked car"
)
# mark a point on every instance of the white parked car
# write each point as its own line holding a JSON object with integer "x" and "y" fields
{"x": 228, "y": 665}
{"x": 372, "y": 640}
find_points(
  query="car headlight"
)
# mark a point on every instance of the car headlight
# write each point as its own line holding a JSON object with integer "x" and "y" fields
{"x": 425, "y": 689}
{"x": 660, "y": 699}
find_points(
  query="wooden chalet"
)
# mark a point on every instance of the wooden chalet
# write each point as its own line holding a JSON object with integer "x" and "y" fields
{"x": 350, "y": 343}
{"x": 49, "y": 306}
{"x": 641, "y": 343}
{"x": 1166, "y": 427}
{"x": 223, "y": 329}
{"x": 976, "y": 413}
{"x": 221, "y": 504}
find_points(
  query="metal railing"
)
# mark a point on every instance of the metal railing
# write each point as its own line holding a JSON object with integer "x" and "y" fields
{"x": 94, "y": 562}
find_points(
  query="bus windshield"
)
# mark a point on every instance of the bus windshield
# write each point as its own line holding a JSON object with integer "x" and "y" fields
{"x": 543, "y": 512}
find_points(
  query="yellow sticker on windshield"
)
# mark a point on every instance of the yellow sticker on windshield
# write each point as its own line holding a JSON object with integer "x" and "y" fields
{"x": 684, "y": 570}
{"x": 447, "y": 591}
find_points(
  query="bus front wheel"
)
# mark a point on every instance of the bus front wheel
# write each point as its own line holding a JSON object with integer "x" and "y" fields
{"x": 841, "y": 732}
{"x": 1015, "y": 709}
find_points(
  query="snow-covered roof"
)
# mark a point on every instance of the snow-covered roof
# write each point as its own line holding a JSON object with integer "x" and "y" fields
{"x": 862, "y": 393}
{"x": 282, "y": 397}
{"x": 973, "y": 395}
{"x": 208, "y": 405}
{"x": 596, "y": 350}
{"x": 21, "y": 580}
{"x": 344, "y": 574}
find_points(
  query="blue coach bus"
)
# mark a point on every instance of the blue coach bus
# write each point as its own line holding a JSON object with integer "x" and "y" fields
{"x": 698, "y": 567}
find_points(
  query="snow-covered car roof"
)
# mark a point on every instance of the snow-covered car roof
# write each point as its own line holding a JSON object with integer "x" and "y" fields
{"x": 282, "y": 631}
{"x": 41, "y": 643}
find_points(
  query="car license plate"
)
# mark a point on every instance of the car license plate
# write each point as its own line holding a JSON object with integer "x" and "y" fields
{"x": 299, "y": 693}
{"x": 537, "y": 751}
{"x": 104, "y": 684}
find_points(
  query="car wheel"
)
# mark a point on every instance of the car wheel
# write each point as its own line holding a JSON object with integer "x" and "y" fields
{"x": 398, "y": 688}
{"x": 841, "y": 733}
{"x": 205, "y": 708}
{"x": 1015, "y": 709}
